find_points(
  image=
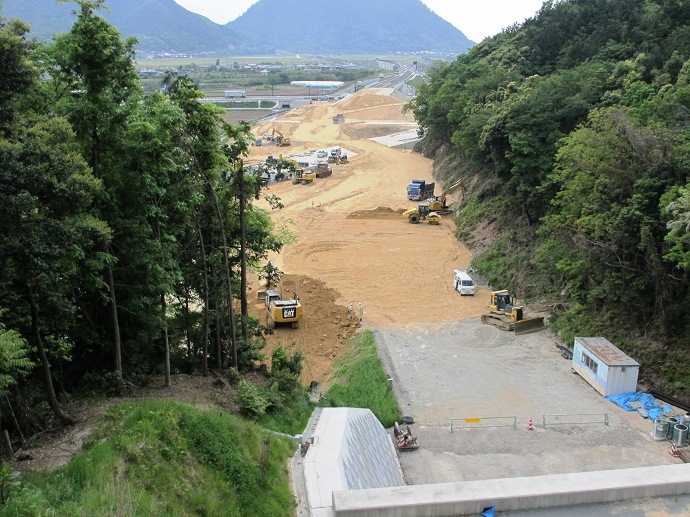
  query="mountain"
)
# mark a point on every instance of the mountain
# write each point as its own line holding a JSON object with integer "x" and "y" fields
{"x": 347, "y": 27}
{"x": 159, "y": 25}
{"x": 269, "y": 26}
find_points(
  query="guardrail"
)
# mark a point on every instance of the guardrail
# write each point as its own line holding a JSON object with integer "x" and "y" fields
{"x": 481, "y": 422}
{"x": 576, "y": 419}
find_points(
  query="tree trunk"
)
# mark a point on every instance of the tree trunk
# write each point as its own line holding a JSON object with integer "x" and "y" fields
{"x": 117, "y": 343}
{"x": 166, "y": 344}
{"x": 226, "y": 260}
{"x": 243, "y": 259}
{"x": 204, "y": 352}
{"x": 216, "y": 318}
{"x": 45, "y": 366}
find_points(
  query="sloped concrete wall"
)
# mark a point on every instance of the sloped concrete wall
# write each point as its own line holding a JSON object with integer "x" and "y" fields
{"x": 350, "y": 450}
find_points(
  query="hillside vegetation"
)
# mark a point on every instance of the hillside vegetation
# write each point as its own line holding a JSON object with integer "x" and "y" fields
{"x": 166, "y": 458}
{"x": 572, "y": 132}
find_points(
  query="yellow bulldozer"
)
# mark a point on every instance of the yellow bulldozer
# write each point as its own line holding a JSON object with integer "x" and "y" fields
{"x": 422, "y": 213}
{"x": 506, "y": 314}
{"x": 439, "y": 205}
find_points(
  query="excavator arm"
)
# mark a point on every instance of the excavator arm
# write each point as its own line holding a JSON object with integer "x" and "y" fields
{"x": 438, "y": 203}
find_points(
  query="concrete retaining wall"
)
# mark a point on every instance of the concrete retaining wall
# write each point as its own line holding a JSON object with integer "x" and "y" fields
{"x": 525, "y": 493}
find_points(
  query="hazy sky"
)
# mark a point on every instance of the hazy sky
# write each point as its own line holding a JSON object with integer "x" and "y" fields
{"x": 477, "y": 19}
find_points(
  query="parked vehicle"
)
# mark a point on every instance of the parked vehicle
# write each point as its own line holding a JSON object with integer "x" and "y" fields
{"x": 463, "y": 283}
{"x": 420, "y": 189}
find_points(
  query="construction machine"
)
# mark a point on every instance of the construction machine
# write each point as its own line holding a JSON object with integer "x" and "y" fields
{"x": 303, "y": 176}
{"x": 281, "y": 140}
{"x": 422, "y": 213}
{"x": 506, "y": 314}
{"x": 438, "y": 203}
{"x": 343, "y": 159}
{"x": 282, "y": 311}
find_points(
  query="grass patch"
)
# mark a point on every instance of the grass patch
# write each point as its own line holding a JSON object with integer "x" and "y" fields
{"x": 359, "y": 381}
{"x": 166, "y": 458}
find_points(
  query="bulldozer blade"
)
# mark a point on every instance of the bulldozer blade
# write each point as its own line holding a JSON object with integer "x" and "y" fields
{"x": 528, "y": 325}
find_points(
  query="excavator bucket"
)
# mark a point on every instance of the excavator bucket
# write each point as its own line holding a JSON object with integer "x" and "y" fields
{"x": 528, "y": 325}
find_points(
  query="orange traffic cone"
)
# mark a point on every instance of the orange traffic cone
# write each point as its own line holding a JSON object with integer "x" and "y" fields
{"x": 530, "y": 427}
{"x": 673, "y": 452}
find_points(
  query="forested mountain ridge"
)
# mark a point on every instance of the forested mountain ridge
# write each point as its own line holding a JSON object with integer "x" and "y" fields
{"x": 158, "y": 25}
{"x": 269, "y": 26}
{"x": 572, "y": 130}
{"x": 355, "y": 26}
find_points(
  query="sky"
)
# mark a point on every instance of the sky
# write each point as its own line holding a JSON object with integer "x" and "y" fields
{"x": 477, "y": 19}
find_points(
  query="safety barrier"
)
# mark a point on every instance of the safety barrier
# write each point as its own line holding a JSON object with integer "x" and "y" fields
{"x": 576, "y": 419}
{"x": 481, "y": 422}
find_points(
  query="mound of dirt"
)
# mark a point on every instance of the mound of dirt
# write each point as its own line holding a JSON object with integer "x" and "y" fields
{"x": 367, "y": 98}
{"x": 323, "y": 330}
{"x": 381, "y": 212}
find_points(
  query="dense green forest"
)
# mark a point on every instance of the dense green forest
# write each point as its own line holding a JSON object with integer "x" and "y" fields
{"x": 573, "y": 132}
{"x": 127, "y": 226}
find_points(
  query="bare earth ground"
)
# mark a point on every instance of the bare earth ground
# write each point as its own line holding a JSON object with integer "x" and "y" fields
{"x": 353, "y": 246}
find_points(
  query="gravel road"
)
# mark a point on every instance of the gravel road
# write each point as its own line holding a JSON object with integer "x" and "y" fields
{"x": 466, "y": 369}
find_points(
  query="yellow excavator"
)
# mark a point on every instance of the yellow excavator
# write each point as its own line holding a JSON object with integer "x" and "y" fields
{"x": 299, "y": 175}
{"x": 506, "y": 314}
{"x": 281, "y": 140}
{"x": 438, "y": 203}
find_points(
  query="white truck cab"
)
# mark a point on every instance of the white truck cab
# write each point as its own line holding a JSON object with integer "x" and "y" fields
{"x": 463, "y": 283}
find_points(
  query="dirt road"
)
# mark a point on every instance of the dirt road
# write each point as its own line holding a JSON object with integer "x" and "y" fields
{"x": 351, "y": 235}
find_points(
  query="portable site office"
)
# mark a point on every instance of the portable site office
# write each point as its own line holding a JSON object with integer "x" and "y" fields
{"x": 605, "y": 367}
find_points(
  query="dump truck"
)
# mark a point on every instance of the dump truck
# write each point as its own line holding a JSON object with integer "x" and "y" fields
{"x": 323, "y": 170}
{"x": 422, "y": 213}
{"x": 505, "y": 314}
{"x": 282, "y": 311}
{"x": 420, "y": 189}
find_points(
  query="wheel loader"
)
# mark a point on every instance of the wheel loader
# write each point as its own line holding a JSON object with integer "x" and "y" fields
{"x": 507, "y": 315}
{"x": 422, "y": 213}
{"x": 282, "y": 311}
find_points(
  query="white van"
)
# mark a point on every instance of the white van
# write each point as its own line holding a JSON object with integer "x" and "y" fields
{"x": 463, "y": 283}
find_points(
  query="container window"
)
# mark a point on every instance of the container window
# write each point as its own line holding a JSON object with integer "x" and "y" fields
{"x": 589, "y": 363}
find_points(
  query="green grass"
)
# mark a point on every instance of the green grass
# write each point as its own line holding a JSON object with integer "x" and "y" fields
{"x": 359, "y": 381}
{"x": 166, "y": 458}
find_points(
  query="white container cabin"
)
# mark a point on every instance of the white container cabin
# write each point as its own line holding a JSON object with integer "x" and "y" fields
{"x": 604, "y": 366}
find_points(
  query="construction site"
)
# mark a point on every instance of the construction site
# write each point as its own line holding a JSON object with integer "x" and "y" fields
{"x": 500, "y": 418}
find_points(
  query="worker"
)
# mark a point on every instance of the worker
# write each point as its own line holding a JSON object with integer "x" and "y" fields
{"x": 349, "y": 311}
{"x": 361, "y": 311}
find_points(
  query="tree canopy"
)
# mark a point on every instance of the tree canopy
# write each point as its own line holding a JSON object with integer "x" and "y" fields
{"x": 573, "y": 130}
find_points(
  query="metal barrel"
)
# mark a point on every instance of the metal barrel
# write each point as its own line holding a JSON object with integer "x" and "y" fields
{"x": 660, "y": 429}
{"x": 672, "y": 422}
{"x": 680, "y": 435}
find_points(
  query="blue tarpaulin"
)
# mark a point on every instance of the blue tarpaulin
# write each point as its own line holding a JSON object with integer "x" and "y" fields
{"x": 623, "y": 400}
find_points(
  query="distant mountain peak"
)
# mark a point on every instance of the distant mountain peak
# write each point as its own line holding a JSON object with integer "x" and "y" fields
{"x": 268, "y": 26}
{"x": 352, "y": 26}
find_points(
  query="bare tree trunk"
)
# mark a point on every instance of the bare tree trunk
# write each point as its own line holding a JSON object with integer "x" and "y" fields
{"x": 204, "y": 352}
{"x": 226, "y": 260}
{"x": 216, "y": 319}
{"x": 45, "y": 366}
{"x": 164, "y": 307}
{"x": 117, "y": 344}
{"x": 243, "y": 258}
